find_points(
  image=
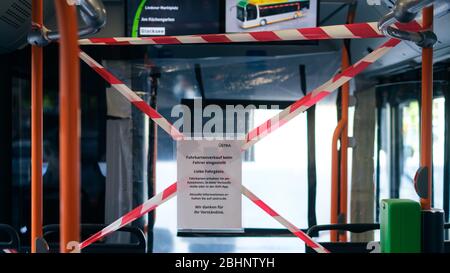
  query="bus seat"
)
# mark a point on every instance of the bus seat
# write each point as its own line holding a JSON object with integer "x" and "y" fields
{"x": 138, "y": 242}
{"x": 13, "y": 240}
{"x": 343, "y": 247}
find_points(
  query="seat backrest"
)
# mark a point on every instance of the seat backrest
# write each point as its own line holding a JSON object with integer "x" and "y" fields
{"x": 13, "y": 242}
{"x": 138, "y": 242}
{"x": 343, "y": 247}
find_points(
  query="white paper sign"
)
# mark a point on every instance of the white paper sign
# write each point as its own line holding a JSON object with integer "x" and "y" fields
{"x": 209, "y": 185}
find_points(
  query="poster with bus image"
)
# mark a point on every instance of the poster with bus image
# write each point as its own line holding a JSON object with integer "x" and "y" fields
{"x": 267, "y": 15}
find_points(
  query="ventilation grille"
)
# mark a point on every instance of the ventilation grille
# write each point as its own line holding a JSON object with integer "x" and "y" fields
{"x": 17, "y": 14}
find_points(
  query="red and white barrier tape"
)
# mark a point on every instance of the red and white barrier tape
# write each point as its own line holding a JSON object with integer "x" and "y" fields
{"x": 136, "y": 213}
{"x": 316, "y": 95}
{"x": 254, "y": 136}
{"x": 132, "y": 97}
{"x": 170, "y": 192}
{"x": 291, "y": 227}
{"x": 349, "y": 31}
{"x": 9, "y": 251}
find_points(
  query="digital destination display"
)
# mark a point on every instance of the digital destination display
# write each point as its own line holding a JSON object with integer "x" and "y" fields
{"x": 173, "y": 17}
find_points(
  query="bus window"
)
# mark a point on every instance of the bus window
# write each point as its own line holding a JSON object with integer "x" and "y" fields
{"x": 240, "y": 13}
{"x": 410, "y": 145}
{"x": 252, "y": 13}
{"x": 278, "y": 9}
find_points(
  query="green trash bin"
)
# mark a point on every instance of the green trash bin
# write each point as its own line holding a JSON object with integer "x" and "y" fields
{"x": 400, "y": 226}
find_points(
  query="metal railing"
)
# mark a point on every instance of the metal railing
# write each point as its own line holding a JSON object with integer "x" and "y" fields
{"x": 405, "y": 11}
{"x": 93, "y": 14}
